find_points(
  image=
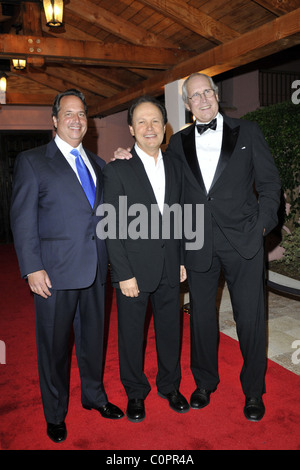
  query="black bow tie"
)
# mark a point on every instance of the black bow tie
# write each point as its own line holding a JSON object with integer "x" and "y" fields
{"x": 203, "y": 127}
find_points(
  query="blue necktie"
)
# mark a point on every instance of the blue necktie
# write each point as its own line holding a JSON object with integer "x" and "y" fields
{"x": 85, "y": 177}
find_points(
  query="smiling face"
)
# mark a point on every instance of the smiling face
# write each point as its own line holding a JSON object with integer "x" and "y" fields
{"x": 71, "y": 121}
{"x": 148, "y": 128}
{"x": 205, "y": 109}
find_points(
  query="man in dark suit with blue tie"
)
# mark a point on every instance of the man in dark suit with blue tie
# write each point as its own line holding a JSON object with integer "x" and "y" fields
{"x": 56, "y": 190}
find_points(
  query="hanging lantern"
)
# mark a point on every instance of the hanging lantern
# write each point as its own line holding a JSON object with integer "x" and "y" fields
{"x": 54, "y": 12}
{"x": 19, "y": 64}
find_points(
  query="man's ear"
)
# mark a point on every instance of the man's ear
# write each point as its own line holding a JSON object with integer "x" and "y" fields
{"x": 131, "y": 130}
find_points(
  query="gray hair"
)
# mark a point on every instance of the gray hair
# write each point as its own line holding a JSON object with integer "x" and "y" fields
{"x": 196, "y": 74}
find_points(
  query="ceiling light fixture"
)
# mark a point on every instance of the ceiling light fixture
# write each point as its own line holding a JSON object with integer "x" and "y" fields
{"x": 54, "y": 12}
{"x": 19, "y": 64}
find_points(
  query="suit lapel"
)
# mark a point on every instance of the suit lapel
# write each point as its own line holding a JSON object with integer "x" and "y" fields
{"x": 61, "y": 166}
{"x": 229, "y": 139}
{"x": 230, "y": 136}
{"x": 141, "y": 174}
{"x": 189, "y": 148}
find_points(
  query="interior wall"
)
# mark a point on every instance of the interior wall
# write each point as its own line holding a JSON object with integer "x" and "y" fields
{"x": 103, "y": 136}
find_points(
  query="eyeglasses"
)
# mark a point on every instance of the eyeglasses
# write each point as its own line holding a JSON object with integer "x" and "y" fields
{"x": 197, "y": 96}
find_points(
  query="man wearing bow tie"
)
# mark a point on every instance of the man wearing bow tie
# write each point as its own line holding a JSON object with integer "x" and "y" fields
{"x": 228, "y": 169}
{"x": 224, "y": 159}
{"x": 56, "y": 190}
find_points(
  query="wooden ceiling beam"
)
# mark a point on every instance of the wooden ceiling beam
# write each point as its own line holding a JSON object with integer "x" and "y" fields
{"x": 31, "y": 18}
{"x": 278, "y": 7}
{"x": 60, "y": 79}
{"x": 89, "y": 52}
{"x": 83, "y": 80}
{"x": 32, "y": 99}
{"x": 70, "y": 32}
{"x": 116, "y": 25}
{"x": 272, "y": 37}
{"x": 193, "y": 19}
{"x": 120, "y": 77}
{"x": 56, "y": 83}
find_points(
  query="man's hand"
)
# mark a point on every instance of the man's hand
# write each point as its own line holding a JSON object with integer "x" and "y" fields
{"x": 182, "y": 273}
{"x": 122, "y": 154}
{"x": 129, "y": 287}
{"x": 40, "y": 283}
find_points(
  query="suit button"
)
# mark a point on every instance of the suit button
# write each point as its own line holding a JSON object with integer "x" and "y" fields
{"x": 93, "y": 237}
{"x": 210, "y": 198}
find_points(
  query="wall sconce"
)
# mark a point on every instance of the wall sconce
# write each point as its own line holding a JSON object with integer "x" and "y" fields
{"x": 3, "y": 82}
{"x": 2, "y": 88}
{"x": 19, "y": 64}
{"x": 54, "y": 12}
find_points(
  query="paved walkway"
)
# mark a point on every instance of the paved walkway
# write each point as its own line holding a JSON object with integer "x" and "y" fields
{"x": 283, "y": 320}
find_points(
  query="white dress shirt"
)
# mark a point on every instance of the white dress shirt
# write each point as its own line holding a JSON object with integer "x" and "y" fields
{"x": 65, "y": 149}
{"x": 155, "y": 173}
{"x": 208, "y": 148}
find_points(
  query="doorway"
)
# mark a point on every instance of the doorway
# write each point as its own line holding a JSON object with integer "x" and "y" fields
{"x": 11, "y": 144}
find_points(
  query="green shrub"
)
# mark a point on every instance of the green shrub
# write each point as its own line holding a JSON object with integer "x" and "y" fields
{"x": 280, "y": 124}
{"x": 291, "y": 244}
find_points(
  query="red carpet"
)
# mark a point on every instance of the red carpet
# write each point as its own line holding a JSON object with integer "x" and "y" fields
{"x": 220, "y": 426}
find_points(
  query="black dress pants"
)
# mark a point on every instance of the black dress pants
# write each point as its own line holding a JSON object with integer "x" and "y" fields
{"x": 245, "y": 281}
{"x": 54, "y": 320}
{"x": 165, "y": 302}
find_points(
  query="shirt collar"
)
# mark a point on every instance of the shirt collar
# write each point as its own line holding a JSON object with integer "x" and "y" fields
{"x": 219, "y": 120}
{"x": 66, "y": 148}
{"x": 145, "y": 157}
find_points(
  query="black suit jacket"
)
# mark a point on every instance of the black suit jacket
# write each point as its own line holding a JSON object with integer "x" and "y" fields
{"x": 53, "y": 224}
{"x": 241, "y": 213}
{"x": 144, "y": 257}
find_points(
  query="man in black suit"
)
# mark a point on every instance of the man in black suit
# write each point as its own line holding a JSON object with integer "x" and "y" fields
{"x": 146, "y": 266}
{"x": 222, "y": 165}
{"x": 54, "y": 228}
{"x": 224, "y": 159}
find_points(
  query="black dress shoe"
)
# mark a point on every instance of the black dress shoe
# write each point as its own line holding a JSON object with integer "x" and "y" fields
{"x": 200, "y": 398}
{"x": 57, "y": 432}
{"x": 254, "y": 409}
{"x": 109, "y": 411}
{"x": 135, "y": 410}
{"x": 176, "y": 401}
